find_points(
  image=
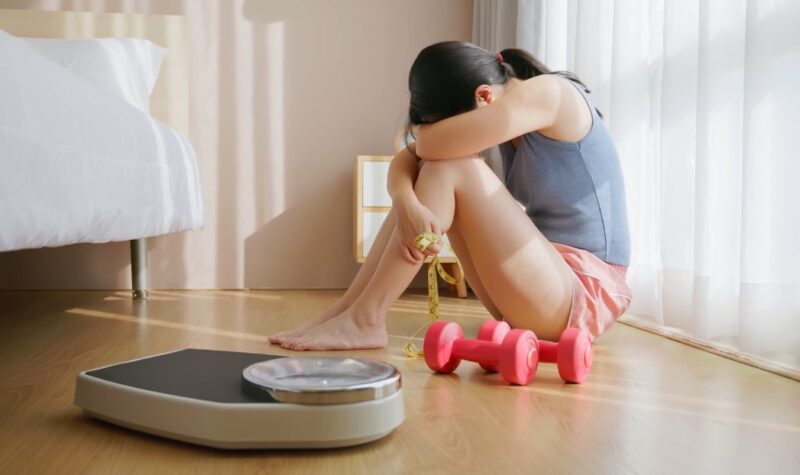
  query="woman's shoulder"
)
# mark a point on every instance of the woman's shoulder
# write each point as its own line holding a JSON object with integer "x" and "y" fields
{"x": 548, "y": 91}
{"x": 555, "y": 83}
{"x": 540, "y": 94}
{"x": 568, "y": 102}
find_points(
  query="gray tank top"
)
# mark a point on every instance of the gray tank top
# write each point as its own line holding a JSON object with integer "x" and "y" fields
{"x": 572, "y": 191}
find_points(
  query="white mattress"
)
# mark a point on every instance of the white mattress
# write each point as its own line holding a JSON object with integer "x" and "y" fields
{"x": 78, "y": 164}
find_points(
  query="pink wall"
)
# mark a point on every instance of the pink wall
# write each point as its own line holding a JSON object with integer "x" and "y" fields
{"x": 284, "y": 95}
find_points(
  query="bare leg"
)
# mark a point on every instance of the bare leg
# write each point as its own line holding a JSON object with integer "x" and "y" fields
{"x": 522, "y": 272}
{"x": 470, "y": 273}
{"x": 360, "y": 282}
{"x": 368, "y": 270}
{"x": 361, "y": 325}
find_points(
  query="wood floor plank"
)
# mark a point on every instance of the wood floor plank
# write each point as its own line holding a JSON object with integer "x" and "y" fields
{"x": 651, "y": 405}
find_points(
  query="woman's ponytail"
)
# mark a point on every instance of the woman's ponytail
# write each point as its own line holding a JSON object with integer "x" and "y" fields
{"x": 523, "y": 65}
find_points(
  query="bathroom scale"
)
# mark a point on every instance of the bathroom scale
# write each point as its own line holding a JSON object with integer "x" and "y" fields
{"x": 234, "y": 400}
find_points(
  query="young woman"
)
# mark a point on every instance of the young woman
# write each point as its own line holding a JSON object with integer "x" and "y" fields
{"x": 559, "y": 263}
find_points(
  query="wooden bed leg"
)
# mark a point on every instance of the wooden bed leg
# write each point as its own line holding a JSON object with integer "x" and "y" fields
{"x": 461, "y": 290}
{"x": 139, "y": 268}
{"x": 461, "y": 287}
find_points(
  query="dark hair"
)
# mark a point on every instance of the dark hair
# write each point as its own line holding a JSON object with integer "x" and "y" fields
{"x": 443, "y": 78}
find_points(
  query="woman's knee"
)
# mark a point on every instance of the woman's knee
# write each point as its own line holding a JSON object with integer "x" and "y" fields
{"x": 453, "y": 167}
{"x": 451, "y": 162}
{"x": 433, "y": 172}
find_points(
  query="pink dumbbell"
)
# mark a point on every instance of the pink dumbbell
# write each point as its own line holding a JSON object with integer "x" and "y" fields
{"x": 515, "y": 356}
{"x": 573, "y": 352}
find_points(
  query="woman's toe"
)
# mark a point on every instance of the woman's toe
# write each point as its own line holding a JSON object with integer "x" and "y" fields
{"x": 300, "y": 345}
{"x": 291, "y": 343}
{"x": 285, "y": 336}
{"x": 286, "y": 343}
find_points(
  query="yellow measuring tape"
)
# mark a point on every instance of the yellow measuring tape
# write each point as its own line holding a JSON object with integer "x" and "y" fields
{"x": 421, "y": 242}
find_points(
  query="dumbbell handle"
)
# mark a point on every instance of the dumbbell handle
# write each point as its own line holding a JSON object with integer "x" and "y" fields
{"x": 548, "y": 351}
{"x": 476, "y": 350}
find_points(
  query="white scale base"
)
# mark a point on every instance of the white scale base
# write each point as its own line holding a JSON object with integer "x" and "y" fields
{"x": 198, "y": 396}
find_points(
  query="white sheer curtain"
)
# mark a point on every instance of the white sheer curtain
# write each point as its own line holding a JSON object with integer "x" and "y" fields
{"x": 703, "y": 101}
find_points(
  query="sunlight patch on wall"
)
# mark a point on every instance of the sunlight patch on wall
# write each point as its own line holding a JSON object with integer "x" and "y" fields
{"x": 276, "y": 169}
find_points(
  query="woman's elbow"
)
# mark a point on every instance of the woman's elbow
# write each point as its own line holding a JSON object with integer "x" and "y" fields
{"x": 422, "y": 147}
{"x": 420, "y": 151}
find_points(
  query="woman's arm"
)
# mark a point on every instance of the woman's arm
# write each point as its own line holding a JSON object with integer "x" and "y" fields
{"x": 530, "y": 105}
{"x": 412, "y": 216}
{"x": 403, "y": 171}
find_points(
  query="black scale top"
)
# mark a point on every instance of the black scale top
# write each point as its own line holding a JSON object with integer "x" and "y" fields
{"x": 208, "y": 375}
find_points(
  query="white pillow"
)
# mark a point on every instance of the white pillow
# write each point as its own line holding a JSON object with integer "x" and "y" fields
{"x": 125, "y": 67}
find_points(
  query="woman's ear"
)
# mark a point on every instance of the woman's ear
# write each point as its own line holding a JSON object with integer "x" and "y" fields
{"x": 484, "y": 95}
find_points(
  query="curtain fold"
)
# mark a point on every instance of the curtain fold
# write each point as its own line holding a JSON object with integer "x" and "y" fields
{"x": 702, "y": 99}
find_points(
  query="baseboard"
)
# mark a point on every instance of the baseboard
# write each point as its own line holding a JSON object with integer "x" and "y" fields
{"x": 748, "y": 359}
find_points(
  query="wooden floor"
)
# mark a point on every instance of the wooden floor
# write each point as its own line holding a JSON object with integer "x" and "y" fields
{"x": 650, "y": 405}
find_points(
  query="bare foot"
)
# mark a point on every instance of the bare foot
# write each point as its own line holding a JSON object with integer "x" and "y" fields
{"x": 350, "y": 330}
{"x": 323, "y": 316}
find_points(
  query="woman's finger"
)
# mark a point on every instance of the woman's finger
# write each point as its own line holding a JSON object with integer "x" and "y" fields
{"x": 435, "y": 227}
{"x": 406, "y": 253}
{"x": 431, "y": 250}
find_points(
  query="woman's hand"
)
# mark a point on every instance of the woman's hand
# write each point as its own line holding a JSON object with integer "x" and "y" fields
{"x": 413, "y": 218}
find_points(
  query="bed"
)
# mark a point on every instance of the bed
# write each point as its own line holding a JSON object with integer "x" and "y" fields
{"x": 81, "y": 161}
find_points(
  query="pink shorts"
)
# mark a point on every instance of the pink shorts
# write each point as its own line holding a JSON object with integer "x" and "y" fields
{"x": 600, "y": 294}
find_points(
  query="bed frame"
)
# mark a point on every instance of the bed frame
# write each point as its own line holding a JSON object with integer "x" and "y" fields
{"x": 169, "y": 102}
